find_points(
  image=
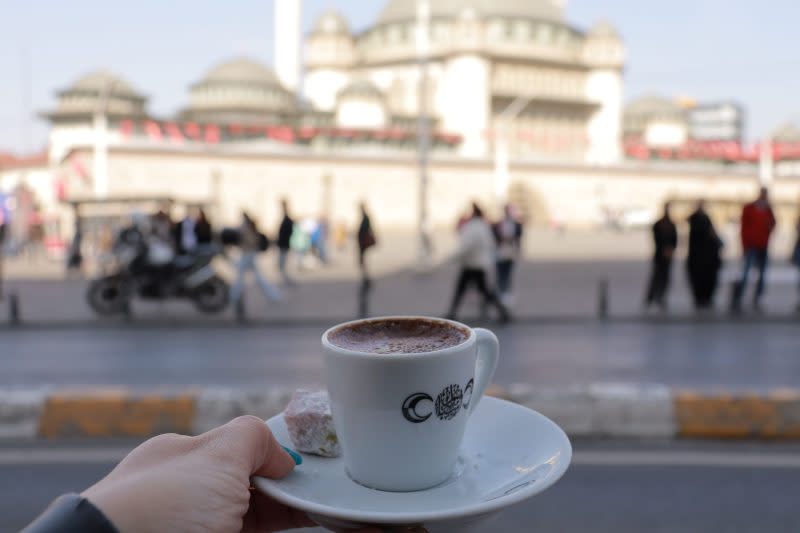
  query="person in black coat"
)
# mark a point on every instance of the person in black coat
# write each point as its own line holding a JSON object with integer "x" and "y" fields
{"x": 665, "y": 239}
{"x": 202, "y": 229}
{"x": 284, "y": 241}
{"x": 703, "y": 262}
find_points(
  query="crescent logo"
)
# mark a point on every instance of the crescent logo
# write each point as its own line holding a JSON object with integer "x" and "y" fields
{"x": 411, "y": 404}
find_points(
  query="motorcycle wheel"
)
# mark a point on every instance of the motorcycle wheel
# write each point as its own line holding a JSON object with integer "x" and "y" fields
{"x": 212, "y": 296}
{"x": 108, "y": 296}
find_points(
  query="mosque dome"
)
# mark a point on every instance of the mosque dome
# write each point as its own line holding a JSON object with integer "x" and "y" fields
{"x": 406, "y": 10}
{"x": 241, "y": 71}
{"x": 239, "y": 90}
{"x": 603, "y": 30}
{"x": 102, "y": 80}
{"x": 99, "y": 88}
{"x": 361, "y": 89}
{"x": 331, "y": 23}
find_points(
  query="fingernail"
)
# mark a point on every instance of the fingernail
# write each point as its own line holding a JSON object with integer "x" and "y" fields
{"x": 298, "y": 459}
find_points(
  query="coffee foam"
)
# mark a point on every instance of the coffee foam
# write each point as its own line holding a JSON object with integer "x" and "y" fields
{"x": 398, "y": 336}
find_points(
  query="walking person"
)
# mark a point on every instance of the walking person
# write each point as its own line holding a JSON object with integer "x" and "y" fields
{"x": 203, "y": 230}
{"x": 476, "y": 255}
{"x": 796, "y": 260}
{"x": 704, "y": 261}
{"x": 665, "y": 240}
{"x": 366, "y": 240}
{"x": 508, "y": 234}
{"x": 251, "y": 242}
{"x": 758, "y": 222}
{"x": 285, "y": 242}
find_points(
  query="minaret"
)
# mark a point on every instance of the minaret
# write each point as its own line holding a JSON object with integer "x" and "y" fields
{"x": 287, "y": 43}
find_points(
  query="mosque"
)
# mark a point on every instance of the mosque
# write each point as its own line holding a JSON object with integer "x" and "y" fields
{"x": 518, "y": 103}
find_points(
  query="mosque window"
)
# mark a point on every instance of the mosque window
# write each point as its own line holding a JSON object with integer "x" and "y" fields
{"x": 545, "y": 33}
{"x": 521, "y": 30}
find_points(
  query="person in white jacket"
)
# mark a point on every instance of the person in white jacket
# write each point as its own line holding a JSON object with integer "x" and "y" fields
{"x": 476, "y": 254}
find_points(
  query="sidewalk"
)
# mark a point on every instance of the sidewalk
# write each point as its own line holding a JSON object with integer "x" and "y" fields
{"x": 555, "y": 282}
{"x": 602, "y": 410}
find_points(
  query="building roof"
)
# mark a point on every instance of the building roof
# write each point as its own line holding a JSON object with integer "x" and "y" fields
{"x": 241, "y": 70}
{"x": 405, "y": 10}
{"x": 331, "y": 22}
{"x": 653, "y": 105}
{"x": 100, "y": 80}
{"x": 10, "y": 161}
{"x": 787, "y": 133}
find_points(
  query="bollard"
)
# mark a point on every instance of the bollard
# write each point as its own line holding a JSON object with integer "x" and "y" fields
{"x": 602, "y": 299}
{"x": 14, "y": 317}
{"x": 363, "y": 297}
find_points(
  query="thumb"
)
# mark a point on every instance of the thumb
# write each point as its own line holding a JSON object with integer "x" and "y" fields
{"x": 248, "y": 442}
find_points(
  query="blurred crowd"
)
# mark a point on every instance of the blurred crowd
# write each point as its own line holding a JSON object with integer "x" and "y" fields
{"x": 704, "y": 256}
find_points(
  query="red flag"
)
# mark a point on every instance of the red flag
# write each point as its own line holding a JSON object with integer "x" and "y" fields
{"x": 174, "y": 133}
{"x": 153, "y": 130}
{"x": 126, "y": 128}
{"x": 192, "y": 131}
{"x": 80, "y": 168}
{"x": 212, "y": 134}
{"x": 281, "y": 133}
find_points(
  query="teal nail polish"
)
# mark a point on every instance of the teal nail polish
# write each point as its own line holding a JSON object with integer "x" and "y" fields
{"x": 298, "y": 459}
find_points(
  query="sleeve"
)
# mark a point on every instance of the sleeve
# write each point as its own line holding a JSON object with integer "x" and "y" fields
{"x": 71, "y": 513}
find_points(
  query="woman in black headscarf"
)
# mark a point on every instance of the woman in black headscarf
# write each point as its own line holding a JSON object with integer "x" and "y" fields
{"x": 704, "y": 261}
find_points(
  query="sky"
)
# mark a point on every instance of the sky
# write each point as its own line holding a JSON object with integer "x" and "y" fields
{"x": 710, "y": 50}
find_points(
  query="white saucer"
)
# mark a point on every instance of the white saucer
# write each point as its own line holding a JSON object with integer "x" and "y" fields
{"x": 509, "y": 454}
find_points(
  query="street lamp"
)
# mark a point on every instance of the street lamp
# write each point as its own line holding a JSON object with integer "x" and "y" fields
{"x": 423, "y": 127}
{"x": 100, "y": 124}
{"x": 502, "y": 175}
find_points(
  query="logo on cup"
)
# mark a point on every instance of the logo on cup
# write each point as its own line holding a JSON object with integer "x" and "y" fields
{"x": 447, "y": 405}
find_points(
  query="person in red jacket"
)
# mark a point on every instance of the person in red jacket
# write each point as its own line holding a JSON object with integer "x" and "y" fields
{"x": 758, "y": 221}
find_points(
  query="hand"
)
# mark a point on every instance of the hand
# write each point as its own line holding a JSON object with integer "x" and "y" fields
{"x": 179, "y": 483}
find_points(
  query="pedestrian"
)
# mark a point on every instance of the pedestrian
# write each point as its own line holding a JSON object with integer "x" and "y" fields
{"x": 476, "y": 256}
{"x": 203, "y": 230}
{"x": 185, "y": 233}
{"x": 757, "y": 224}
{"x": 508, "y": 234}
{"x": 366, "y": 240}
{"x": 665, "y": 239}
{"x": 319, "y": 240}
{"x": 796, "y": 260}
{"x": 703, "y": 262}
{"x": 75, "y": 254}
{"x": 3, "y": 232}
{"x": 285, "y": 241}
{"x": 161, "y": 224}
{"x": 251, "y": 242}
{"x": 181, "y": 483}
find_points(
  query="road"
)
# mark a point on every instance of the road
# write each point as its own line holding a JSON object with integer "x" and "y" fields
{"x": 735, "y": 355}
{"x": 612, "y": 486}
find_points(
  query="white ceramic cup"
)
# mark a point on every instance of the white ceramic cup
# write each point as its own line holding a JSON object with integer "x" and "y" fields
{"x": 400, "y": 418}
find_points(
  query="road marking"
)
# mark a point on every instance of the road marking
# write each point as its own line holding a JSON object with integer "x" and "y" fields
{"x": 62, "y": 456}
{"x": 586, "y": 458}
{"x": 687, "y": 458}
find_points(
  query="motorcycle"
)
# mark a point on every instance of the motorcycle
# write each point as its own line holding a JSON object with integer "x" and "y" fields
{"x": 138, "y": 272}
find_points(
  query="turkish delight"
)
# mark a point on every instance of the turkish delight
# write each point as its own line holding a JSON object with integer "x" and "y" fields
{"x": 308, "y": 419}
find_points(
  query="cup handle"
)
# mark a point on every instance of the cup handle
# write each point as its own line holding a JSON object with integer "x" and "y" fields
{"x": 485, "y": 365}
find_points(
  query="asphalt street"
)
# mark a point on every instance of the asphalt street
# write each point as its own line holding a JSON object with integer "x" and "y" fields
{"x": 731, "y": 356}
{"x": 613, "y": 486}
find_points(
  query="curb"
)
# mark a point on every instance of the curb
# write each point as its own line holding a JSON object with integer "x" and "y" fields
{"x": 600, "y": 410}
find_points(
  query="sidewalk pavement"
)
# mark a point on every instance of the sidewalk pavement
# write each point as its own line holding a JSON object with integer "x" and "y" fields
{"x": 601, "y": 410}
{"x": 543, "y": 290}
{"x": 561, "y": 277}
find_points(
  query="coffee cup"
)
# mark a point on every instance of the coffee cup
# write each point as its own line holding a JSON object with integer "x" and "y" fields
{"x": 401, "y": 391}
